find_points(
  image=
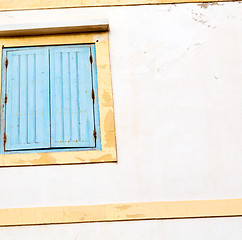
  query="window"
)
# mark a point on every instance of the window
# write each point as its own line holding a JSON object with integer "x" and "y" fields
{"x": 49, "y": 99}
{"x": 48, "y": 59}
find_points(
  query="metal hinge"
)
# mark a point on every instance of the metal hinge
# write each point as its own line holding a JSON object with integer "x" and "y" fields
{"x": 5, "y": 138}
{"x": 6, "y": 63}
{"x": 93, "y": 95}
{"x": 94, "y": 134}
{"x": 6, "y": 99}
{"x": 91, "y": 59}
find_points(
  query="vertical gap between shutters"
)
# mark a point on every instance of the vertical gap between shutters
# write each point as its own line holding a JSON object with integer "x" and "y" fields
{"x": 94, "y": 133}
{"x": 49, "y": 96}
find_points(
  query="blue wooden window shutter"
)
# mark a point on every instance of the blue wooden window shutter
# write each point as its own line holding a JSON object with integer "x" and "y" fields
{"x": 72, "y": 114}
{"x": 50, "y": 98}
{"x": 27, "y": 109}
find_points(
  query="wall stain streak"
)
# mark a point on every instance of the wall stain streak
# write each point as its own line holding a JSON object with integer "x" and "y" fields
{"x": 44, "y": 158}
{"x": 109, "y": 129}
{"x": 124, "y": 207}
{"x": 105, "y": 157}
{"x": 206, "y": 5}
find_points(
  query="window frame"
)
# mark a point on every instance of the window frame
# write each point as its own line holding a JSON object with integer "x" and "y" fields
{"x": 105, "y": 100}
{"x": 95, "y": 103}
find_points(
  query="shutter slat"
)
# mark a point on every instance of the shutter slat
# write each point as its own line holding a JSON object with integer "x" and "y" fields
{"x": 31, "y": 98}
{"x": 12, "y": 107}
{"x": 66, "y": 98}
{"x": 27, "y": 109}
{"x": 75, "y": 118}
{"x": 57, "y": 126}
{"x": 72, "y": 118}
{"x": 23, "y": 98}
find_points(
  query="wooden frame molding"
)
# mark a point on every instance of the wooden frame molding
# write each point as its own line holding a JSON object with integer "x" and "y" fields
{"x": 54, "y": 28}
{"x": 121, "y": 212}
{"x": 10, "y": 5}
{"x": 105, "y": 98}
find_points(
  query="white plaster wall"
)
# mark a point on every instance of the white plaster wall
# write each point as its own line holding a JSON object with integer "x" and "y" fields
{"x": 177, "y": 85}
{"x": 193, "y": 229}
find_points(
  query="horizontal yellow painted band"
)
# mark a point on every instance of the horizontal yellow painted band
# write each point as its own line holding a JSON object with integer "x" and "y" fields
{"x": 9, "y": 5}
{"x": 121, "y": 212}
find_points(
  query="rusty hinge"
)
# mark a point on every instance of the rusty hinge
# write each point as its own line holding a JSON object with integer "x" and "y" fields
{"x": 6, "y": 63}
{"x": 6, "y": 98}
{"x": 93, "y": 95}
{"x": 94, "y": 134}
{"x": 91, "y": 59}
{"x": 4, "y": 140}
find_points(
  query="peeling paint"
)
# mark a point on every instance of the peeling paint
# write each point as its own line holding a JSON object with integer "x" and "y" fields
{"x": 206, "y": 5}
{"x": 109, "y": 129}
{"x": 107, "y": 99}
{"x": 44, "y": 158}
{"x": 105, "y": 157}
{"x": 80, "y": 159}
{"x": 124, "y": 207}
{"x": 199, "y": 18}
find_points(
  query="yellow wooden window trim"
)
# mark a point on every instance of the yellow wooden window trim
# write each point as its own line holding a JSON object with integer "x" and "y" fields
{"x": 121, "y": 212}
{"x": 9, "y": 5}
{"x": 108, "y": 152}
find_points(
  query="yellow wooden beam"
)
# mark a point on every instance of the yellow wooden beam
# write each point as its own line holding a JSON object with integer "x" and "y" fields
{"x": 9, "y": 5}
{"x": 120, "y": 212}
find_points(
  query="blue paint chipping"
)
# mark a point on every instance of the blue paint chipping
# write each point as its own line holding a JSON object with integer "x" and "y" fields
{"x": 50, "y": 105}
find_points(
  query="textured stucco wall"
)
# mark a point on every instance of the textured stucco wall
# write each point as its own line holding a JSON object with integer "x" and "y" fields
{"x": 177, "y": 85}
{"x": 176, "y": 72}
